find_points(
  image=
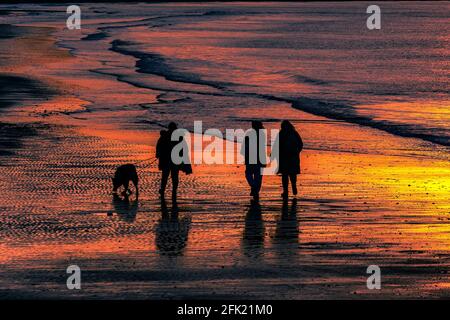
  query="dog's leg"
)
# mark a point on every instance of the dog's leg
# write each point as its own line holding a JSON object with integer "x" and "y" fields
{"x": 135, "y": 182}
{"x": 126, "y": 186}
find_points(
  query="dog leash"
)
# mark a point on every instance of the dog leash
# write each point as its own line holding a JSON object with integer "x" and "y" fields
{"x": 152, "y": 161}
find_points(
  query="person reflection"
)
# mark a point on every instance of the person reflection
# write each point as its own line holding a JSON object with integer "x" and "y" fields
{"x": 171, "y": 232}
{"x": 125, "y": 209}
{"x": 254, "y": 231}
{"x": 287, "y": 231}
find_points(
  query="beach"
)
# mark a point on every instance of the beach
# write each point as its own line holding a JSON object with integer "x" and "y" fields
{"x": 375, "y": 181}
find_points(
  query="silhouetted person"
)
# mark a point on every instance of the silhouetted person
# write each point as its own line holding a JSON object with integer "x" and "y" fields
{"x": 164, "y": 149}
{"x": 171, "y": 234}
{"x": 252, "y": 146}
{"x": 290, "y": 145}
{"x": 125, "y": 209}
{"x": 253, "y": 237}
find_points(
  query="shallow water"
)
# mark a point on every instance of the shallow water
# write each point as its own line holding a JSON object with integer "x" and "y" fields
{"x": 395, "y": 79}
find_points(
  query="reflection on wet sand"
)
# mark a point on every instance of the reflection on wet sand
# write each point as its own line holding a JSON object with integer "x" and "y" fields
{"x": 285, "y": 241}
{"x": 171, "y": 233}
{"x": 125, "y": 209}
{"x": 254, "y": 232}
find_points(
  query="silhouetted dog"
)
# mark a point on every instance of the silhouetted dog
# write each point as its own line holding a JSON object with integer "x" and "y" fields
{"x": 124, "y": 174}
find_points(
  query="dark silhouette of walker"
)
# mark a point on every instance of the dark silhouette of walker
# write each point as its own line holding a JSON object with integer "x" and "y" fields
{"x": 252, "y": 149}
{"x": 290, "y": 145}
{"x": 164, "y": 149}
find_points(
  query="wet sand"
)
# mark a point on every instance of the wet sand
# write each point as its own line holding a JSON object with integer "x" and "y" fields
{"x": 388, "y": 208}
{"x": 57, "y": 211}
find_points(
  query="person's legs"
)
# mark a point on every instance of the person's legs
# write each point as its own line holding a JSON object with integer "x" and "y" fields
{"x": 249, "y": 177}
{"x": 164, "y": 177}
{"x": 174, "y": 174}
{"x": 285, "y": 182}
{"x": 258, "y": 180}
{"x": 293, "y": 178}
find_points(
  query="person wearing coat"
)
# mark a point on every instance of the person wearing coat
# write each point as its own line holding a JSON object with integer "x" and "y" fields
{"x": 164, "y": 148}
{"x": 290, "y": 145}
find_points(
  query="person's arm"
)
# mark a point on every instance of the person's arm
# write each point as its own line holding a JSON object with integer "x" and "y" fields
{"x": 158, "y": 149}
{"x": 276, "y": 146}
{"x": 244, "y": 147}
{"x": 300, "y": 144}
{"x": 188, "y": 154}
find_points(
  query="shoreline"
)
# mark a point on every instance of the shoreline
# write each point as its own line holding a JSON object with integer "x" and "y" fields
{"x": 154, "y": 64}
{"x": 16, "y": 90}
